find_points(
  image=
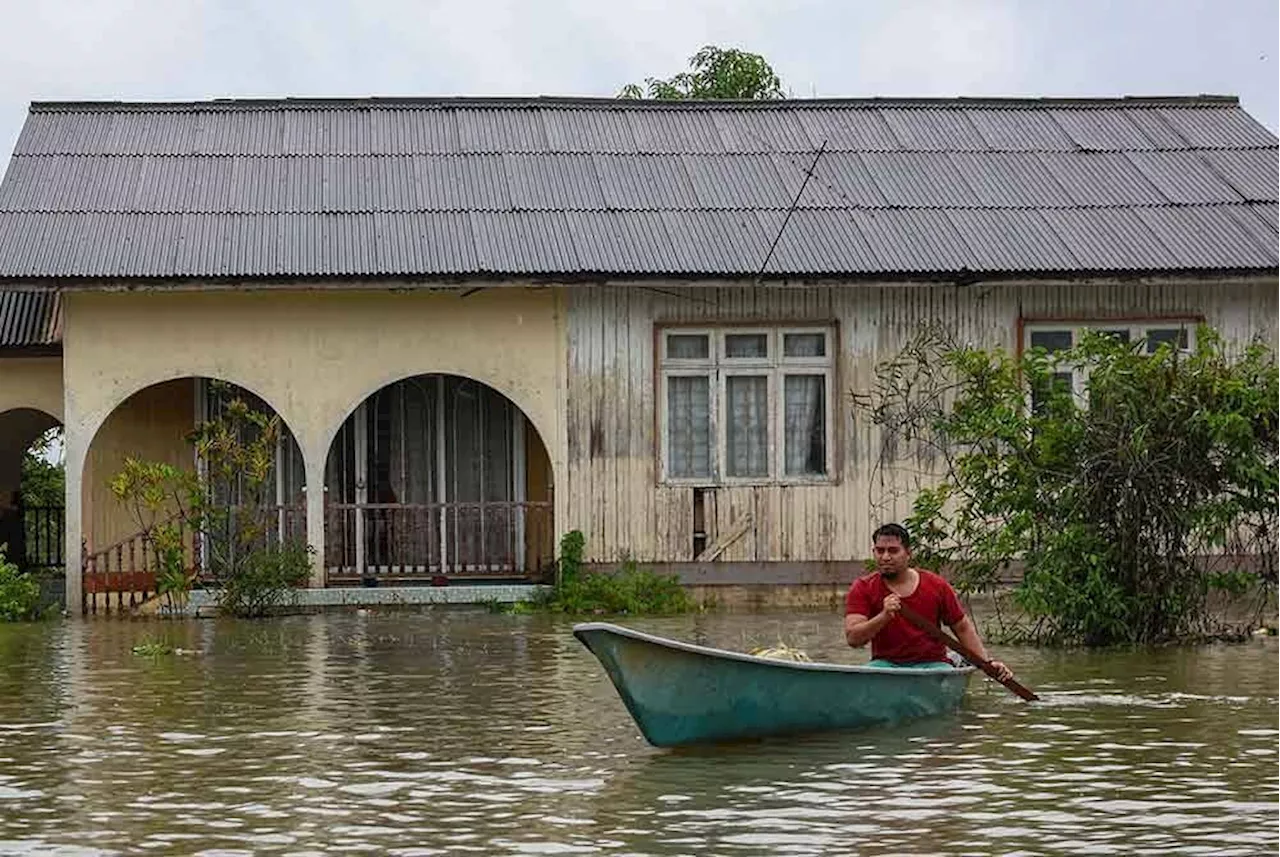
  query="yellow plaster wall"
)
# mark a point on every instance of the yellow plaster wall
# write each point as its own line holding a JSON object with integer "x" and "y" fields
{"x": 311, "y": 355}
{"x": 31, "y": 382}
{"x": 30, "y": 403}
{"x": 150, "y": 426}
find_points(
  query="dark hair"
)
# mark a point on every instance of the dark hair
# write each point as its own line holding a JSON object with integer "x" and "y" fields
{"x": 896, "y": 531}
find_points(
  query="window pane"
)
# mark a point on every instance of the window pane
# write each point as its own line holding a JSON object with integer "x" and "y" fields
{"x": 688, "y": 346}
{"x": 689, "y": 426}
{"x": 746, "y": 345}
{"x": 1051, "y": 340}
{"x": 1121, "y": 335}
{"x": 805, "y": 419}
{"x": 804, "y": 345}
{"x": 1171, "y": 335}
{"x": 747, "y": 425}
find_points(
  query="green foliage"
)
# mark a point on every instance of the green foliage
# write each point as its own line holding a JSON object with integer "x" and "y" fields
{"x": 628, "y": 590}
{"x": 1232, "y": 581}
{"x": 19, "y": 593}
{"x": 173, "y": 580}
{"x": 715, "y": 72}
{"x": 1111, "y": 500}
{"x": 228, "y": 505}
{"x": 165, "y": 502}
{"x": 43, "y": 481}
{"x": 237, "y": 452}
{"x": 264, "y": 579}
{"x": 43, "y": 486}
{"x": 569, "y": 565}
{"x": 509, "y": 608}
{"x": 153, "y": 647}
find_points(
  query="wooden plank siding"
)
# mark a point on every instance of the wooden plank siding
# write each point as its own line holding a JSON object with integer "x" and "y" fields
{"x": 614, "y": 494}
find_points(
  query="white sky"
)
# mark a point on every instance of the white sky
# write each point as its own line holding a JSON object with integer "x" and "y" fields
{"x": 196, "y": 49}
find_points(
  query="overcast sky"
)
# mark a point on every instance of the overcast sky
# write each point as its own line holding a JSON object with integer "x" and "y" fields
{"x": 196, "y": 49}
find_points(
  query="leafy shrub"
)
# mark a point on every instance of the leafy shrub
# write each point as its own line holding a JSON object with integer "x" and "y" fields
{"x": 628, "y": 590}
{"x": 1127, "y": 505}
{"x": 229, "y": 504}
{"x": 264, "y": 579}
{"x": 19, "y": 593}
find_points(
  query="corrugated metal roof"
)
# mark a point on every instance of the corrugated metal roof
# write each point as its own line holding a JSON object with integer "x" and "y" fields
{"x": 30, "y": 318}
{"x": 602, "y": 187}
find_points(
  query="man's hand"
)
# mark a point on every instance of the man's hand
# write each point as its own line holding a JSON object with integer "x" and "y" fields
{"x": 892, "y": 604}
{"x": 1001, "y": 670}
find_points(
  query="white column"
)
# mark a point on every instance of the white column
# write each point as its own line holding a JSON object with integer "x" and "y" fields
{"x": 77, "y": 447}
{"x": 314, "y": 463}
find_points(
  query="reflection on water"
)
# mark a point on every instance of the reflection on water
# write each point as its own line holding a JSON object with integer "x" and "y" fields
{"x": 460, "y": 732}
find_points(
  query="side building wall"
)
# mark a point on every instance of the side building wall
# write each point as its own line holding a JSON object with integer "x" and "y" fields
{"x": 615, "y": 494}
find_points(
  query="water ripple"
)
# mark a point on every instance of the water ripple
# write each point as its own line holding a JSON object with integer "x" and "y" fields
{"x": 457, "y": 732}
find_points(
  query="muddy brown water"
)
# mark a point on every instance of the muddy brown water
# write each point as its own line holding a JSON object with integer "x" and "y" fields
{"x": 457, "y": 731}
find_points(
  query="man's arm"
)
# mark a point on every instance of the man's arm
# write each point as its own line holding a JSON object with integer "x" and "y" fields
{"x": 967, "y": 632}
{"x": 858, "y": 629}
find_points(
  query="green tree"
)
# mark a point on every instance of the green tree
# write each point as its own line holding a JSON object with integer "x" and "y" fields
{"x": 43, "y": 480}
{"x": 714, "y": 73}
{"x": 1128, "y": 505}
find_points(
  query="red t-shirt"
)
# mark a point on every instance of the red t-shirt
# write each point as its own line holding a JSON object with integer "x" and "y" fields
{"x": 900, "y": 641}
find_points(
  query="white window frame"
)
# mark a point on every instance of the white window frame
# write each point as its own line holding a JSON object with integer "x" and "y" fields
{"x": 707, "y": 372}
{"x": 718, "y": 368}
{"x": 1137, "y": 328}
{"x": 735, "y": 370}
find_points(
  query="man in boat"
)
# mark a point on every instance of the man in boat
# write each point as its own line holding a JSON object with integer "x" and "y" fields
{"x": 874, "y": 600}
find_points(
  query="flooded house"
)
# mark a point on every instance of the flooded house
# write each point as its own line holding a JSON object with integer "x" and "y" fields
{"x": 486, "y": 322}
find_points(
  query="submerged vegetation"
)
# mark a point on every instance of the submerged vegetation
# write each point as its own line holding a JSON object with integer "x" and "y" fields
{"x": 19, "y": 592}
{"x": 627, "y": 590}
{"x": 153, "y": 647}
{"x": 1134, "y": 498}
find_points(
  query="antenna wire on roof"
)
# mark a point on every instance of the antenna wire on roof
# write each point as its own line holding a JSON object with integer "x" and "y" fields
{"x": 808, "y": 174}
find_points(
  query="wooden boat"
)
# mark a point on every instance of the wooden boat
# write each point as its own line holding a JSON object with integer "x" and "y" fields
{"x": 680, "y": 693}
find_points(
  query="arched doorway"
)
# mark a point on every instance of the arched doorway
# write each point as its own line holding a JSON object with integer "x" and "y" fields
{"x": 435, "y": 478}
{"x": 154, "y": 424}
{"x": 31, "y": 490}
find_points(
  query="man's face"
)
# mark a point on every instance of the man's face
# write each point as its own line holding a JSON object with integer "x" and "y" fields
{"x": 892, "y": 558}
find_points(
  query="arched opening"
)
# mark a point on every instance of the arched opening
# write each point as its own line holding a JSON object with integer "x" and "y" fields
{"x": 155, "y": 424}
{"x": 436, "y": 478}
{"x": 32, "y": 490}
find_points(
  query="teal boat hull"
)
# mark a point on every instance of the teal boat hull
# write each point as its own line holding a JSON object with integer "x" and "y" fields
{"x": 680, "y": 693}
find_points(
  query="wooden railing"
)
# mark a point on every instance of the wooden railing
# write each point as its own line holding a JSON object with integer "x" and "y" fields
{"x": 365, "y": 543}
{"x": 371, "y": 542}
{"x": 123, "y": 575}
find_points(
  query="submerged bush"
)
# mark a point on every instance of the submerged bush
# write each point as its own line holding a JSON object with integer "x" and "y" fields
{"x": 264, "y": 579}
{"x": 627, "y": 590}
{"x": 19, "y": 593}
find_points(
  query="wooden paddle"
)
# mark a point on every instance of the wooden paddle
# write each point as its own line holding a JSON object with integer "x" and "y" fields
{"x": 955, "y": 645}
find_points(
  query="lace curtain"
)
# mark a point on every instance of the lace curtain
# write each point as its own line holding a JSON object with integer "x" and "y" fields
{"x": 805, "y": 425}
{"x": 689, "y": 425}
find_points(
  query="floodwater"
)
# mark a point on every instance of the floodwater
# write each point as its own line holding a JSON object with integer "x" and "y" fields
{"x": 456, "y": 731}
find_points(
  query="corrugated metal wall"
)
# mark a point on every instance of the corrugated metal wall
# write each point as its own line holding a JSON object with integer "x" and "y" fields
{"x": 614, "y": 497}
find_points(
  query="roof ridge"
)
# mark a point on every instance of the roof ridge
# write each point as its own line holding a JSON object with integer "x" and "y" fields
{"x": 636, "y": 209}
{"x": 604, "y": 102}
{"x": 643, "y": 153}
